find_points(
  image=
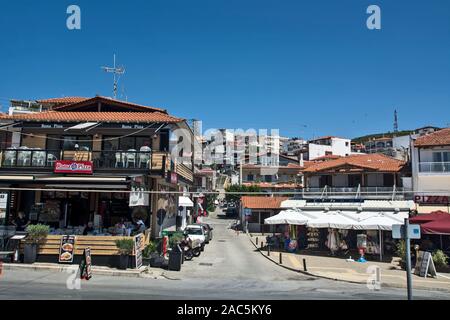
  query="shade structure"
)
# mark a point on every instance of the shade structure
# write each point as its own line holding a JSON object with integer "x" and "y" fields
{"x": 185, "y": 202}
{"x": 440, "y": 226}
{"x": 288, "y": 217}
{"x": 378, "y": 221}
{"x": 433, "y": 216}
{"x": 332, "y": 219}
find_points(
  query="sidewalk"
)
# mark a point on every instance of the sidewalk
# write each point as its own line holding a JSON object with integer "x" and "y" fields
{"x": 143, "y": 272}
{"x": 355, "y": 272}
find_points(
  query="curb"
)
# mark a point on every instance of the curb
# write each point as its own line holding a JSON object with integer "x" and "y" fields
{"x": 385, "y": 285}
{"x": 56, "y": 268}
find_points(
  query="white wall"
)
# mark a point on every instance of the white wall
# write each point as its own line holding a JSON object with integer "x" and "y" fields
{"x": 340, "y": 148}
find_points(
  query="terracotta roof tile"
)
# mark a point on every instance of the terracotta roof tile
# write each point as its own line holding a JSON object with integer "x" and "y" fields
{"x": 257, "y": 202}
{"x": 438, "y": 138}
{"x": 63, "y": 100}
{"x": 375, "y": 162}
{"x": 118, "y": 117}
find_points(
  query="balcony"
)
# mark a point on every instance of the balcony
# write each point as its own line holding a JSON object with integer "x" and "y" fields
{"x": 39, "y": 159}
{"x": 434, "y": 167}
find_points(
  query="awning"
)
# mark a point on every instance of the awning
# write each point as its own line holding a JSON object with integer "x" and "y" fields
{"x": 288, "y": 217}
{"x": 332, "y": 219}
{"x": 440, "y": 226}
{"x": 82, "y": 179}
{"x": 21, "y": 178}
{"x": 424, "y": 218}
{"x": 88, "y": 186}
{"x": 380, "y": 221}
{"x": 81, "y": 126}
{"x": 185, "y": 202}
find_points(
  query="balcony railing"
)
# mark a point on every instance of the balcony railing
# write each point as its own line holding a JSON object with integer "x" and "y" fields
{"x": 38, "y": 158}
{"x": 434, "y": 167}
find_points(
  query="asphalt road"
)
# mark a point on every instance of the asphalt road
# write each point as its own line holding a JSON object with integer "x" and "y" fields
{"x": 229, "y": 268}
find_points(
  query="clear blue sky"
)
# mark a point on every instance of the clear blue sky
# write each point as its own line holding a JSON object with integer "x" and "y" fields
{"x": 308, "y": 68}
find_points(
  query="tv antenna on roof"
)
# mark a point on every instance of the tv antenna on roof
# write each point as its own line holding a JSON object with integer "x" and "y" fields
{"x": 116, "y": 71}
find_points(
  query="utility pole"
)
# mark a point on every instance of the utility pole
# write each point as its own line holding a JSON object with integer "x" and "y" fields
{"x": 116, "y": 71}
{"x": 408, "y": 260}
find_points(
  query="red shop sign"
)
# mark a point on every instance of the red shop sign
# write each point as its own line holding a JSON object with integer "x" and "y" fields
{"x": 67, "y": 166}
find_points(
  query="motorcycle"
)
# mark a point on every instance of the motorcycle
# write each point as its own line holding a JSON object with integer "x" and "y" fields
{"x": 190, "y": 248}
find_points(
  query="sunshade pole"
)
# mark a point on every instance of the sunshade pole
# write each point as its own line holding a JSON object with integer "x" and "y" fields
{"x": 381, "y": 244}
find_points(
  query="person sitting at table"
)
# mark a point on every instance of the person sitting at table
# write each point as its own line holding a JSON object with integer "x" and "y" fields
{"x": 89, "y": 229}
{"x": 21, "y": 222}
{"x": 139, "y": 226}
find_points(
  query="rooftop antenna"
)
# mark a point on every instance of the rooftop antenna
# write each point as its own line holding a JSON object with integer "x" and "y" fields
{"x": 395, "y": 121}
{"x": 116, "y": 71}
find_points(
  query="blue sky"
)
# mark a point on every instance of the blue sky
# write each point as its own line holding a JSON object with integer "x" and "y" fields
{"x": 308, "y": 68}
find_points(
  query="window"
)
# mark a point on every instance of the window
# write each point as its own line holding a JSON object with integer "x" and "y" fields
{"x": 250, "y": 177}
{"x": 346, "y": 143}
{"x": 441, "y": 156}
{"x": 125, "y": 143}
{"x": 83, "y": 142}
{"x": 268, "y": 178}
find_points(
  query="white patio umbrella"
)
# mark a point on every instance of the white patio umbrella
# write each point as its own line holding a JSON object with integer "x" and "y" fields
{"x": 332, "y": 219}
{"x": 377, "y": 221}
{"x": 288, "y": 217}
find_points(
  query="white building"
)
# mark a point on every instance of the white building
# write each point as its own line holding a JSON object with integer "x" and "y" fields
{"x": 293, "y": 146}
{"x": 328, "y": 146}
{"x": 430, "y": 161}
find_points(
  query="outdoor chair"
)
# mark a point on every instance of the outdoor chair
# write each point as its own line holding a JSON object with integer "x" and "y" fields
{"x": 131, "y": 158}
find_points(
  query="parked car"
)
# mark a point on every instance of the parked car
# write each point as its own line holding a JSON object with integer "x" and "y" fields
{"x": 196, "y": 232}
{"x": 208, "y": 232}
{"x": 231, "y": 212}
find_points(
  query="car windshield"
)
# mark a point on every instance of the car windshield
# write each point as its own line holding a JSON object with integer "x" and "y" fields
{"x": 194, "y": 231}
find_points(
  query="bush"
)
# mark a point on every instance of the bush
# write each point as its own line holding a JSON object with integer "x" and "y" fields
{"x": 149, "y": 249}
{"x": 401, "y": 250}
{"x": 37, "y": 233}
{"x": 239, "y": 188}
{"x": 125, "y": 246}
{"x": 440, "y": 259}
{"x": 175, "y": 238}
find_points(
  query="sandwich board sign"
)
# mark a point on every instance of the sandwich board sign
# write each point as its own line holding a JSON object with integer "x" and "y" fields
{"x": 425, "y": 265}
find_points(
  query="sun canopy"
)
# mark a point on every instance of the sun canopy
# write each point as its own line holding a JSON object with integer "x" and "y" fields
{"x": 433, "y": 216}
{"x": 288, "y": 217}
{"x": 440, "y": 226}
{"x": 379, "y": 221}
{"x": 333, "y": 219}
{"x": 185, "y": 202}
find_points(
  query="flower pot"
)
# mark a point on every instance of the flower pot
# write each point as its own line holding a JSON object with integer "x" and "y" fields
{"x": 156, "y": 260}
{"x": 30, "y": 253}
{"x": 123, "y": 261}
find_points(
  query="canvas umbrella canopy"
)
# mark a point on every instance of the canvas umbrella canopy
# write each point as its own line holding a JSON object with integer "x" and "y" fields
{"x": 332, "y": 219}
{"x": 288, "y": 217}
{"x": 377, "y": 221}
{"x": 433, "y": 216}
{"x": 439, "y": 226}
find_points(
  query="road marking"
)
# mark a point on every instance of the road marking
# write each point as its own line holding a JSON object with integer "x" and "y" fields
{"x": 294, "y": 261}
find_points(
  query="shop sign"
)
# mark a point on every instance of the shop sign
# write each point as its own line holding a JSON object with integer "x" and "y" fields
{"x": 3, "y": 205}
{"x": 139, "y": 198}
{"x": 431, "y": 199}
{"x": 424, "y": 265}
{"x": 67, "y": 166}
{"x": 138, "y": 245}
{"x": 67, "y": 249}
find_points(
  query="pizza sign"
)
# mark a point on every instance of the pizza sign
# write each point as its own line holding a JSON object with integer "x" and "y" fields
{"x": 67, "y": 166}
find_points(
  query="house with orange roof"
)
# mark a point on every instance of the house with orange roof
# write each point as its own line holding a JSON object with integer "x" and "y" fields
{"x": 254, "y": 209}
{"x": 371, "y": 173}
{"x": 430, "y": 162}
{"x": 89, "y": 144}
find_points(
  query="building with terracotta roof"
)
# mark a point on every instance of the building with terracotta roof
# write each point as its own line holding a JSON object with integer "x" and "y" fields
{"x": 430, "y": 162}
{"x": 254, "y": 209}
{"x": 91, "y": 144}
{"x": 365, "y": 172}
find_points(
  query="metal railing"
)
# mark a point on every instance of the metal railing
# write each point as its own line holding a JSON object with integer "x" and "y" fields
{"x": 39, "y": 158}
{"x": 434, "y": 167}
{"x": 355, "y": 192}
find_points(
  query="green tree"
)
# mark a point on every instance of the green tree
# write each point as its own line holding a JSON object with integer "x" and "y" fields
{"x": 241, "y": 189}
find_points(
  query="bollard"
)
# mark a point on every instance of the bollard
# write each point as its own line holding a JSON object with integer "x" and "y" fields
{"x": 268, "y": 250}
{"x": 281, "y": 258}
{"x": 304, "y": 265}
{"x": 256, "y": 240}
{"x": 262, "y": 245}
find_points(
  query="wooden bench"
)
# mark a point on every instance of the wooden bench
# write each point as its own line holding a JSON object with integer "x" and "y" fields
{"x": 100, "y": 245}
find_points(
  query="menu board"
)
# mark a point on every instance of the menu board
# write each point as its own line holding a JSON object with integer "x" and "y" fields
{"x": 67, "y": 249}
{"x": 138, "y": 246}
{"x": 86, "y": 265}
{"x": 424, "y": 265}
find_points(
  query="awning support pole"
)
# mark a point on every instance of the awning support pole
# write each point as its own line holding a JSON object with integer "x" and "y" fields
{"x": 381, "y": 244}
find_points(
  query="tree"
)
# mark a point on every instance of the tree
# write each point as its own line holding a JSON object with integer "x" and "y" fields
{"x": 241, "y": 189}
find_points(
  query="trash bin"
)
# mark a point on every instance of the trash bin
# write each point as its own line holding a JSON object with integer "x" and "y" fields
{"x": 175, "y": 258}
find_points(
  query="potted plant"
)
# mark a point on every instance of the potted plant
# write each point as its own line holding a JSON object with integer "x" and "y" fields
{"x": 37, "y": 233}
{"x": 440, "y": 260}
{"x": 149, "y": 252}
{"x": 125, "y": 247}
{"x": 401, "y": 253}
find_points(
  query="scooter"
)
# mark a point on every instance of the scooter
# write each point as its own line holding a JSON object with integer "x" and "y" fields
{"x": 189, "y": 248}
